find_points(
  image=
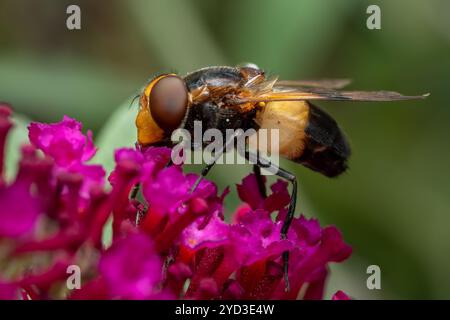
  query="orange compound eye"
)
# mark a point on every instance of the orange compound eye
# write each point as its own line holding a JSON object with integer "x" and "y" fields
{"x": 168, "y": 102}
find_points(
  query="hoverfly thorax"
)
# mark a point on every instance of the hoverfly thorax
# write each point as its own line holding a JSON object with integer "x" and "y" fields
{"x": 162, "y": 108}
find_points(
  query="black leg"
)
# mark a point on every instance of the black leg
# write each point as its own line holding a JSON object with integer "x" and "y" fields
{"x": 217, "y": 155}
{"x": 137, "y": 186}
{"x": 260, "y": 181}
{"x": 135, "y": 191}
{"x": 263, "y": 163}
{"x": 203, "y": 174}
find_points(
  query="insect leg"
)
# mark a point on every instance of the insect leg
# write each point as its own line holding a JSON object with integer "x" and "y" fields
{"x": 217, "y": 155}
{"x": 137, "y": 186}
{"x": 135, "y": 191}
{"x": 203, "y": 174}
{"x": 260, "y": 181}
{"x": 291, "y": 209}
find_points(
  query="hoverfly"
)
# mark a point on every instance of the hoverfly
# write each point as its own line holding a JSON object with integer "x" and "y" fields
{"x": 243, "y": 97}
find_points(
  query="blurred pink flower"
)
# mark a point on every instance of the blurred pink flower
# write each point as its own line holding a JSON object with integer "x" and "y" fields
{"x": 132, "y": 269}
{"x": 19, "y": 209}
{"x": 8, "y": 291}
{"x": 340, "y": 295}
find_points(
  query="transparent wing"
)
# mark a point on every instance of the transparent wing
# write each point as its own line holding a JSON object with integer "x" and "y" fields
{"x": 321, "y": 83}
{"x": 270, "y": 91}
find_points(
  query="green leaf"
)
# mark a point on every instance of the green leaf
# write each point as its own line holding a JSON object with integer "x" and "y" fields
{"x": 185, "y": 45}
{"x": 16, "y": 138}
{"x": 46, "y": 89}
{"x": 284, "y": 37}
{"x": 118, "y": 132}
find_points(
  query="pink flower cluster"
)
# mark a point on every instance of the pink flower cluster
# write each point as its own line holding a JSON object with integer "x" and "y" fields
{"x": 172, "y": 244}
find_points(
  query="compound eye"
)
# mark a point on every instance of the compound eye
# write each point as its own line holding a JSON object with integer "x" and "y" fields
{"x": 168, "y": 102}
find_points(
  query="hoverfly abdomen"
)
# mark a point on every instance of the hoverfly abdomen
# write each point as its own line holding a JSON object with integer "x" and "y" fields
{"x": 326, "y": 149}
{"x": 307, "y": 135}
{"x": 290, "y": 119}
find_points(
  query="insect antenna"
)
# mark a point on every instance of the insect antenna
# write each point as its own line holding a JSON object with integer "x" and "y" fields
{"x": 134, "y": 99}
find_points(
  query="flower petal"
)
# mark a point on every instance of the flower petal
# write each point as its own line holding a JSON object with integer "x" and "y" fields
{"x": 63, "y": 141}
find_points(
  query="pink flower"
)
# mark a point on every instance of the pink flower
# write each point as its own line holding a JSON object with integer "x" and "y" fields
{"x": 340, "y": 295}
{"x": 63, "y": 141}
{"x": 132, "y": 269}
{"x": 249, "y": 192}
{"x": 69, "y": 148}
{"x": 199, "y": 234}
{"x": 147, "y": 161}
{"x": 19, "y": 210}
{"x": 257, "y": 238}
{"x": 170, "y": 188}
{"x": 174, "y": 243}
{"x": 308, "y": 261}
{"x": 8, "y": 291}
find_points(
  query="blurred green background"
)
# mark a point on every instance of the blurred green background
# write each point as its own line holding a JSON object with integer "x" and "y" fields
{"x": 393, "y": 205}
